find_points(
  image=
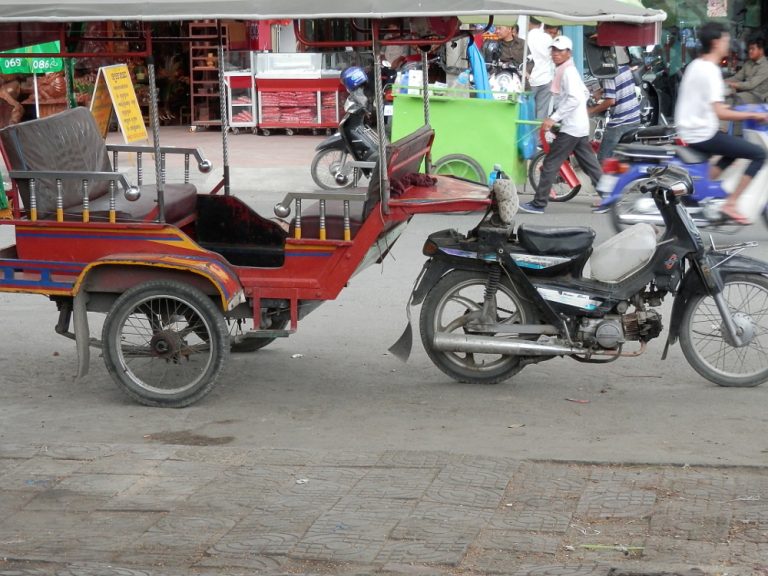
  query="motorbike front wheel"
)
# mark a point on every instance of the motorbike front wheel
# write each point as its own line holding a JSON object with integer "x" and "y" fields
{"x": 331, "y": 171}
{"x": 560, "y": 191}
{"x": 705, "y": 342}
{"x": 165, "y": 343}
{"x": 450, "y": 304}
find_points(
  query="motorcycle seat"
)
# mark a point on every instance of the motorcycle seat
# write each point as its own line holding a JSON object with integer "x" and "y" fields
{"x": 656, "y": 132}
{"x": 550, "y": 241}
{"x": 645, "y": 151}
{"x": 650, "y": 153}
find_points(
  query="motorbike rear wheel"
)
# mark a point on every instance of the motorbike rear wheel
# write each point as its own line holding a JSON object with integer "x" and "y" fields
{"x": 447, "y": 308}
{"x": 704, "y": 341}
{"x": 331, "y": 171}
{"x": 561, "y": 191}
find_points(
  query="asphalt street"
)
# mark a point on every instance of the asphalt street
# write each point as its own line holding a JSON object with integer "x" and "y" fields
{"x": 332, "y": 406}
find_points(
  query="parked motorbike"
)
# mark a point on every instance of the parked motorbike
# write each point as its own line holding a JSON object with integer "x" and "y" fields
{"x": 495, "y": 300}
{"x": 355, "y": 141}
{"x": 624, "y": 175}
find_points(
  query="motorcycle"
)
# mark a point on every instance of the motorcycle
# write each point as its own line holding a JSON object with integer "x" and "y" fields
{"x": 353, "y": 149}
{"x": 624, "y": 174}
{"x": 495, "y": 300}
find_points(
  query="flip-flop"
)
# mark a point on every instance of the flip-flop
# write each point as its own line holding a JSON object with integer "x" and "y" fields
{"x": 735, "y": 217}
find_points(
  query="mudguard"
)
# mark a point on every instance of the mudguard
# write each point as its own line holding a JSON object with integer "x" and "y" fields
{"x": 333, "y": 142}
{"x": 435, "y": 268}
{"x": 693, "y": 285}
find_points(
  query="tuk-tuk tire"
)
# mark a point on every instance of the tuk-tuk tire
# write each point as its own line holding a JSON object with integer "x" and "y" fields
{"x": 189, "y": 300}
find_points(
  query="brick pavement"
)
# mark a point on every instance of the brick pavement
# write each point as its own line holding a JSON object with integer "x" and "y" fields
{"x": 159, "y": 509}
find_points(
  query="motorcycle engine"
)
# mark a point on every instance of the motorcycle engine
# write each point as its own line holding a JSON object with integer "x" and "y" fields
{"x": 610, "y": 332}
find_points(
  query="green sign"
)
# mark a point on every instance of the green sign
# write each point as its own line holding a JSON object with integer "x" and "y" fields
{"x": 28, "y": 64}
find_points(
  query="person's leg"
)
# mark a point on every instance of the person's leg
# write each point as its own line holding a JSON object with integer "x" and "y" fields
{"x": 559, "y": 151}
{"x": 730, "y": 148}
{"x": 587, "y": 159}
{"x": 611, "y": 138}
{"x": 543, "y": 98}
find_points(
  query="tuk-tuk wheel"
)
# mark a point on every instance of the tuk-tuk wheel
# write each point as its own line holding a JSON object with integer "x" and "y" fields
{"x": 165, "y": 343}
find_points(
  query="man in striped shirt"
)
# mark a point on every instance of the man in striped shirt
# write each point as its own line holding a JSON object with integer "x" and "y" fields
{"x": 620, "y": 99}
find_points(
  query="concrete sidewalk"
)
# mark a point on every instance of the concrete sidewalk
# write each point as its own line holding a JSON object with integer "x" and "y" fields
{"x": 167, "y": 509}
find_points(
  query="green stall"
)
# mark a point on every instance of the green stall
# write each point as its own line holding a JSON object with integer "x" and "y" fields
{"x": 472, "y": 135}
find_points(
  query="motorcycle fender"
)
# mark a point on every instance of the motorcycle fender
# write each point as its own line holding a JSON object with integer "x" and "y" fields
{"x": 636, "y": 172}
{"x": 333, "y": 142}
{"x": 692, "y": 285}
{"x": 436, "y": 268}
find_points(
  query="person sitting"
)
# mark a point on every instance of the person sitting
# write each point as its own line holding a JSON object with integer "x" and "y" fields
{"x": 701, "y": 106}
{"x": 620, "y": 100}
{"x": 750, "y": 84}
{"x": 511, "y": 46}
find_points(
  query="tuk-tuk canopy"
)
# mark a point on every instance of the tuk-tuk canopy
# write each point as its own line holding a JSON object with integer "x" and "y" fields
{"x": 159, "y": 10}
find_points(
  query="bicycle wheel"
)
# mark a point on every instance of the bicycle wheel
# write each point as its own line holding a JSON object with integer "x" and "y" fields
{"x": 560, "y": 191}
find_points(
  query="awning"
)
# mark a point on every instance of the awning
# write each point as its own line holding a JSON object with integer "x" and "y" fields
{"x": 158, "y": 10}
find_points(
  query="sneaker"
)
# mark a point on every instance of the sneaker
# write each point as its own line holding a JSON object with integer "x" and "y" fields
{"x": 531, "y": 208}
{"x": 600, "y": 209}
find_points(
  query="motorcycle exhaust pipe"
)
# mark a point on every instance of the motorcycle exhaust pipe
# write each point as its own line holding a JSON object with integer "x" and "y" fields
{"x": 487, "y": 345}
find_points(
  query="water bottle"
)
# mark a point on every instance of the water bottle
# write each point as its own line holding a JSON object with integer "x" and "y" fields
{"x": 497, "y": 172}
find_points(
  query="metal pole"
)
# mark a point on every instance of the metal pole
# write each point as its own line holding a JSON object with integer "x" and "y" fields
{"x": 425, "y": 96}
{"x": 378, "y": 89}
{"x": 154, "y": 120}
{"x": 224, "y": 114}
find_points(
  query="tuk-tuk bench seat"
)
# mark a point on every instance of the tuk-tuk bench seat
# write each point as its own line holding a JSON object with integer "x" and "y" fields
{"x": 68, "y": 147}
{"x": 405, "y": 156}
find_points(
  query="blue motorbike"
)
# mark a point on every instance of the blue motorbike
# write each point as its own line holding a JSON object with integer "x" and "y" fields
{"x": 628, "y": 170}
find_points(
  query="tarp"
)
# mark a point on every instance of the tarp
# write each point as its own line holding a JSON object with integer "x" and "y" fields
{"x": 157, "y": 10}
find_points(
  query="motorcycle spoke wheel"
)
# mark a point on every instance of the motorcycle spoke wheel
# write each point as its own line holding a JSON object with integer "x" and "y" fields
{"x": 331, "y": 171}
{"x": 165, "y": 343}
{"x": 633, "y": 207}
{"x": 560, "y": 191}
{"x": 448, "y": 307}
{"x": 460, "y": 166}
{"x": 705, "y": 343}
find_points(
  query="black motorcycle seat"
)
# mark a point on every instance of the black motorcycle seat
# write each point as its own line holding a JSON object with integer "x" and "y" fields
{"x": 662, "y": 134}
{"x": 645, "y": 151}
{"x": 656, "y": 132}
{"x": 548, "y": 241}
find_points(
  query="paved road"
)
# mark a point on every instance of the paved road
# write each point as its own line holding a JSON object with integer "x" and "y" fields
{"x": 406, "y": 470}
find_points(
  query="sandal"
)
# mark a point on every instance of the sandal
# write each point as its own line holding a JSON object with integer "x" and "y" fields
{"x": 735, "y": 217}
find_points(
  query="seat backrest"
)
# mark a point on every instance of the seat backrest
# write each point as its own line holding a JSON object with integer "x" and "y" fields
{"x": 69, "y": 140}
{"x": 404, "y": 156}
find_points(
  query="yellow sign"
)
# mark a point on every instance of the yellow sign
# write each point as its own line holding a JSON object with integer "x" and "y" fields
{"x": 115, "y": 89}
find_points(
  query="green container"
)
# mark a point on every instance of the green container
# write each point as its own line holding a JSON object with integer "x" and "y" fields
{"x": 484, "y": 130}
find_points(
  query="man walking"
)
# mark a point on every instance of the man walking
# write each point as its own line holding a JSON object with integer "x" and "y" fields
{"x": 570, "y": 96}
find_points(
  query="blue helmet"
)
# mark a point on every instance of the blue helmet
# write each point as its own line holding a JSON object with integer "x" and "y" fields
{"x": 353, "y": 77}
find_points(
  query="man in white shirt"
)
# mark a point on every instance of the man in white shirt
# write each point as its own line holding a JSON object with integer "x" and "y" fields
{"x": 570, "y": 95}
{"x": 540, "y": 75}
{"x": 701, "y": 106}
